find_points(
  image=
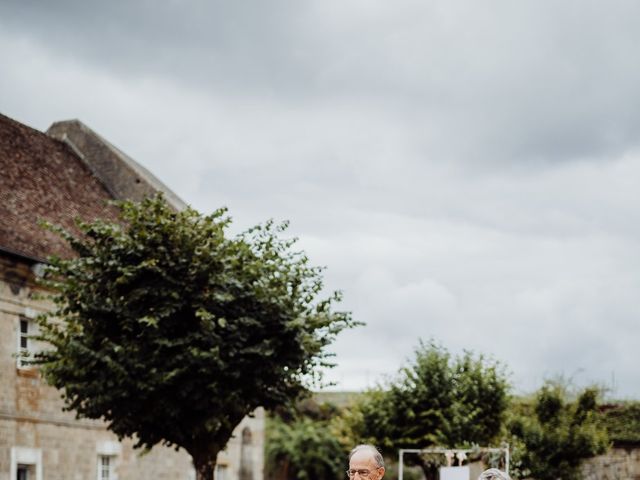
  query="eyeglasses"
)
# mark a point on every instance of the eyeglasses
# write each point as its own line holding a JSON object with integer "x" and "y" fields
{"x": 363, "y": 473}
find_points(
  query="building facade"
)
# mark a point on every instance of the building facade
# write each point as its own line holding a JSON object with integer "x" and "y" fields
{"x": 67, "y": 173}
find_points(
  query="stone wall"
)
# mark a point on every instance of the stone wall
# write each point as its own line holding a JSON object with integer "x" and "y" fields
{"x": 33, "y": 425}
{"x": 617, "y": 464}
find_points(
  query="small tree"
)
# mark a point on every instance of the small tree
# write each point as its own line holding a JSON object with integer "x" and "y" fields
{"x": 301, "y": 442}
{"x": 557, "y": 435}
{"x": 172, "y": 331}
{"x": 303, "y": 449}
{"x": 437, "y": 400}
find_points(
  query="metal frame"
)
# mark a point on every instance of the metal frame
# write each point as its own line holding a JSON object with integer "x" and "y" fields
{"x": 402, "y": 451}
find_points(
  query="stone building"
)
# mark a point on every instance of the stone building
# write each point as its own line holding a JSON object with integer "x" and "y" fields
{"x": 66, "y": 173}
{"x": 621, "y": 462}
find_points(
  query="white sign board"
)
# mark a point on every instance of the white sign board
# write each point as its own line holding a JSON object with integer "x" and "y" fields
{"x": 454, "y": 473}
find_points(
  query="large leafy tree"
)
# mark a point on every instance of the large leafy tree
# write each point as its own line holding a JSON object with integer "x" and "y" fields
{"x": 556, "y": 434}
{"x": 437, "y": 400}
{"x": 172, "y": 330}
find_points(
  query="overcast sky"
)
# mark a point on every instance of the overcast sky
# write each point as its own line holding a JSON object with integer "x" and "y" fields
{"x": 467, "y": 171}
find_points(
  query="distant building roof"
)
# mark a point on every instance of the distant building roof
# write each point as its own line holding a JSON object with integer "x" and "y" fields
{"x": 122, "y": 175}
{"x": 58, "y": 177}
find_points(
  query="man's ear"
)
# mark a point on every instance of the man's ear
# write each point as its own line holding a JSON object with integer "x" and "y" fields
{"x": 383, "y": 470}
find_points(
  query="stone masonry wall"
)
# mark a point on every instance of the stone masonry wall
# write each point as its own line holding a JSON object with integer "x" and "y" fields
{"x": 617, "y": 464}
{"x": 32, "y": 416}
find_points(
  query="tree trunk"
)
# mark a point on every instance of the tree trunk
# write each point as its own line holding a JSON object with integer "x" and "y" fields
{"x": 205, "y": 471}
{"x": 430, "y": 471}
{"x": 205, "y": 466}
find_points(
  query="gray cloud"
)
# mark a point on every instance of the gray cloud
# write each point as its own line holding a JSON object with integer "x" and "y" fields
{"x": 475, "y": 83}
{"x": 466, "y": 172}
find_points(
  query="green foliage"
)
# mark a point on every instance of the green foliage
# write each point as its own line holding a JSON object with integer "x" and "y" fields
{"x": 437, "y": 400}
{"x": 554, "y": 435}
{"x": 172, "y": 331}
{"x": 622, "y": 423}
{"x": 303, "y": 449}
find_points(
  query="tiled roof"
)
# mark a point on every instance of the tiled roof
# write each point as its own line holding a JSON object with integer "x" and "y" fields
{"x": 123, "y": 177}
{"x": 43, "y": 179}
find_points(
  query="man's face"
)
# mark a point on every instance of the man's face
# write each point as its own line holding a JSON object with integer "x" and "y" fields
{"x": 363, "y": 460}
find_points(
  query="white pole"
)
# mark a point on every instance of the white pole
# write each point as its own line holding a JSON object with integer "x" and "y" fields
{"x": 400, "y": 464}
{"x": 506, "y": 459}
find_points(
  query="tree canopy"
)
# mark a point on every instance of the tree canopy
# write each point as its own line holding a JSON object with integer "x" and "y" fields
{"x": 437, "y": 400}
{"x": 172, "y": 330}
{"x": 555, "y": 435}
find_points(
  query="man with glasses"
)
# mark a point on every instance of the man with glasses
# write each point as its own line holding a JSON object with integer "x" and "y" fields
{"x": 365, "y": 463}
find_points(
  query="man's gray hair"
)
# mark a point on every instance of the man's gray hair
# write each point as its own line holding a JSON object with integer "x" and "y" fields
{"x": 493, "y": 474}
{"x": 377, "y": 456}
